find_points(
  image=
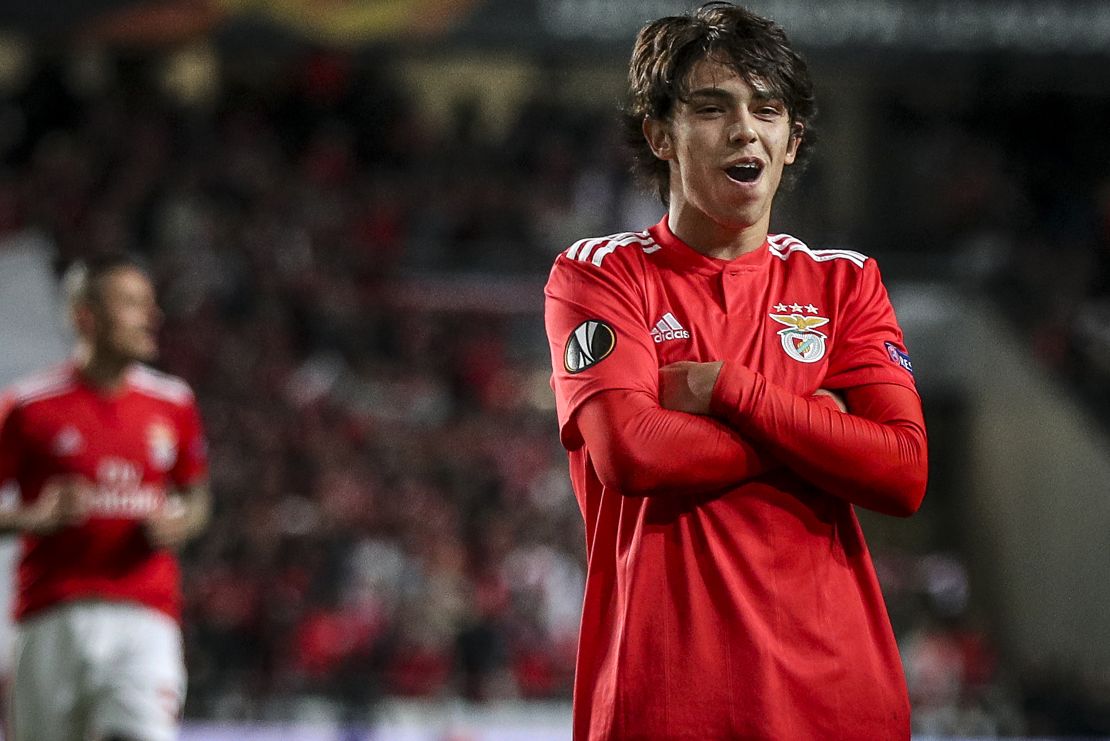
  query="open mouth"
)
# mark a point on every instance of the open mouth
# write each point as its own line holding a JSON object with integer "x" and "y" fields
{"x": 745, "y": 172}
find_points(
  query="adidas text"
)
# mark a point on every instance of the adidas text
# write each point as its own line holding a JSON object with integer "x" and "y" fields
{"x": 668, "y": 328}
{"x": 670, "y": 334}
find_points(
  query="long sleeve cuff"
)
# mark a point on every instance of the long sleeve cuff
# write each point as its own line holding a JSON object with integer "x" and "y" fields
{"x": 735, "y": 392}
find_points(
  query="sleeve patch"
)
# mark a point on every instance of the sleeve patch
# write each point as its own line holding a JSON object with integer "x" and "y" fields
{"x": 591, "y": 342}
{"x": 899, "y": 357}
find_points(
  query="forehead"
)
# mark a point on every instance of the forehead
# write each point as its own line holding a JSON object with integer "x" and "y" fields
{"x": 708, "y": 74}
{"x": 125, "y": 279}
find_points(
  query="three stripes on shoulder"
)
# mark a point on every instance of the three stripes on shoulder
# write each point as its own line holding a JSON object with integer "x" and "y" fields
{"x": 596, "y": 249}
{"x": 782, "y": 246}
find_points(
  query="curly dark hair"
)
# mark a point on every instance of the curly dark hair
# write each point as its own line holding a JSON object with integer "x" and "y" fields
{"x": 667, "y": 49}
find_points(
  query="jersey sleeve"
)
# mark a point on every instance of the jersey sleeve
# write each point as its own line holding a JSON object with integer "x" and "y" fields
{"x": 875, "y": 457}
{"x": 632, "y": 442}
{"x": 192, "y": 455}
{"x": 598, "y": 336}
{"x": 870, "y": 347}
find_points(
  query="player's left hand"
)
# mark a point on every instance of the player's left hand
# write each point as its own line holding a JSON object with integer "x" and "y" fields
{"x": 687, "y": 386}
{"x": 170, "y": 526}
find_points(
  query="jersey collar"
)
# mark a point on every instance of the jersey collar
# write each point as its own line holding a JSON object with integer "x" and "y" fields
{"x": 82, "y": 381}
{"x": 684, "y": 257}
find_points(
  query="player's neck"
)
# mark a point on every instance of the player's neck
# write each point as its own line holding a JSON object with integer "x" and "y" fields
{"x": 712, "y": 238}
{"x": 104, "y": 371}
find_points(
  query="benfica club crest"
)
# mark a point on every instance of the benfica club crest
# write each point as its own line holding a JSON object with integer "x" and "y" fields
{"x": 161, "y": 443}
{"x": 800, "y": 339}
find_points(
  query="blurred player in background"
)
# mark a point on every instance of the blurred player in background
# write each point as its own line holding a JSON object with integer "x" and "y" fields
{"x": 726, "y": 396}
{"x": 110, "y": 462}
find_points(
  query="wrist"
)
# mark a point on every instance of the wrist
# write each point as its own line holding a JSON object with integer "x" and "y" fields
{"x": 21, "y": 520}
{"x": 703, "y": 381}
{"x": 733, "y": 392}
{"x": 194, "y": 519}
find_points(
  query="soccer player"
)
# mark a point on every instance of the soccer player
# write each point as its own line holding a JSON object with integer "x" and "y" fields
{"x": 110, "y": 461}
{"x": 726, "y": 396}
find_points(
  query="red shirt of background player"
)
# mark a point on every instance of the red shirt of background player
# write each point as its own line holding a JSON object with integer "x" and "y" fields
{"x": 133, "y": 444}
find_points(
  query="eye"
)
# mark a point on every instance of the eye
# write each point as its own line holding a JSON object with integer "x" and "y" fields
{"x": 708, "y": 110}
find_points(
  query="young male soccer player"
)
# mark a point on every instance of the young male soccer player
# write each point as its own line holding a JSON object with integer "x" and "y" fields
{"x": 110, "y": 461}
{"x": 700, "y": 367}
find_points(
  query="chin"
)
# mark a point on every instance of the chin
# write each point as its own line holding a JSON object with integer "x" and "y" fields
{"x": 746, "y": 214}
{"x": 145, "y": 355}
{"x": 738, "y": 219}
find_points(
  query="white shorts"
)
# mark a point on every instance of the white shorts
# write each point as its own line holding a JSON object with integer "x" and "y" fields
{"x": 86, "y": 670}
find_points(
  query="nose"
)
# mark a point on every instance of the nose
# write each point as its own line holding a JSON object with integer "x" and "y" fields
{"x": 742, "y": 130}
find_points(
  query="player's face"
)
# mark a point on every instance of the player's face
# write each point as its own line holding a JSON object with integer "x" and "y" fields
{"x": 127, "y": 317}
{"x": 727, "y": 145}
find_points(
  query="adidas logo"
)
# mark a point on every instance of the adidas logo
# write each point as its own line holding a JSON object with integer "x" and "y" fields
{"x": 668, "y": 328}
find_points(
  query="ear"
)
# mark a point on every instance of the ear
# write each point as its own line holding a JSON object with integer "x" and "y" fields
{"x": 658, "y": 136}
{"x": 84, "y": 319}
{"x": 796, "y": 136}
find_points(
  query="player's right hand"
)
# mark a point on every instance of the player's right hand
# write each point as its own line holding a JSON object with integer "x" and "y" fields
{"x": 688, "y": 387}
{"x": 64, "y": 502}
{"x": 836, "y": 397}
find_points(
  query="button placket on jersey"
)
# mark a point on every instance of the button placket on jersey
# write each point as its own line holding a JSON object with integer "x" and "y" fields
{"x": 737, "y": 287}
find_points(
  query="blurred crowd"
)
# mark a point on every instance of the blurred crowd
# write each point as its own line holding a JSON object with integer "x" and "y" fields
{"x": 983, "y": 203}
{"x": 393, "y": 515}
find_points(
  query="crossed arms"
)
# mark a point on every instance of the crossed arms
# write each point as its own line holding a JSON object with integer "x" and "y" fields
{"x": 728, "y": 424}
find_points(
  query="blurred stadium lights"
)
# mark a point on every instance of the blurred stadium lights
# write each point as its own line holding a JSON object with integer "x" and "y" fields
{"x": 14, "y": 62}
{"x": 1019, "y": 26}
{"x": 146, "y": 22}
{"x": 191, "y": 74}
{"x": 945, "y": 25}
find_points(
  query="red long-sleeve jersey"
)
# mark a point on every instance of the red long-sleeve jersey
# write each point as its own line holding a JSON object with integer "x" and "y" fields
{"x": 729, "y": 590}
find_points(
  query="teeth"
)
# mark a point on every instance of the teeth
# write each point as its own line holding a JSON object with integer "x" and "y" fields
{"x": 745, "y": 171}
